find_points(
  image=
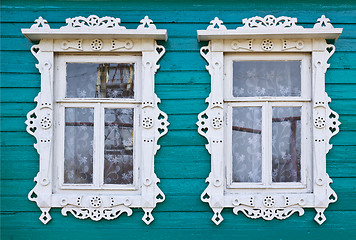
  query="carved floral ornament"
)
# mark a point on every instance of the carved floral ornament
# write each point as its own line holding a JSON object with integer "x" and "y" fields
{"x": 91, "y": 35}
{"x": 264, "y": 35}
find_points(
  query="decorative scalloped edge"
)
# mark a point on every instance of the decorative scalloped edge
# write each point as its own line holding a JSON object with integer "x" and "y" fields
{"x": 268, "y": 213}
{"x": 39, "y": 124}
{"x": 93, "y": 22}
{"x": 96, "y": 214}
{"x": 270, "y": 22}
{"x": 213, "y": 193}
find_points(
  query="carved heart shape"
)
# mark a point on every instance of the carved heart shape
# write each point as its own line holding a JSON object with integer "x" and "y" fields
{"x": 329, "y": 49}
{"x": 332, "y": 129}
{"x": 33, "y": 129}
{"x": 159, "y": 196}
{"x": 33, "y": 115}
{"x": 206, "y": 196}
{"x": 204, "y": 130}
{"x": 205, "y": 51}
{"x": 159, "y": 49}
{"x": 35, "y": 50}
{"x": 204, "y": 116}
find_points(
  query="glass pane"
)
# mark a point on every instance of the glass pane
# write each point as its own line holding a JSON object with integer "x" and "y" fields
{"x": 78, "y": 145}
{"x": 266, "y": 78}
{"x": 100, "y": 80}
{"x": 286, "y": 144}
{"x": 118, "y": 146}
{"x": 246, "y": 144}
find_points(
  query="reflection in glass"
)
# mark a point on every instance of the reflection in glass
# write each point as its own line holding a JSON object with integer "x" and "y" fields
{"x": 246, "y": 144}
{"x": 118, "y": 152}
{"x": 78, "y": 145}
{"x": 286, "y": 144}
{"x": 100, "y": 80}
{"x": 266, "y": 78}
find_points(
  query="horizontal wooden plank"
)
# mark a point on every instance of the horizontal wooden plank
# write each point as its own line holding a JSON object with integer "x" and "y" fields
{"x": 348, "y": 122}
{"x": 169, "y": 15}
{"x": 182, "y": 220}
{"x": 178, "y": 122}
{"x": 173, "y": 44}
{"x": 170, "y": 168}
{"x": 177, "y": 92}
{"x": 344, "y": 138}
{"x": 172, "y": 61}
{"x": 33, "y": 80}
{"x": 174, "y": 92}
{"x": 172, "y": 187}
{"x": 174, "y": 138}
{"x": 199, "y": 5}
{"x": 179, "y": 154}
{"x": 340, "y": 76}
{"x": 173, "y": 29}
{"x": 185, "y": 106}
{"x": 185, "y": 227}
{"x": 345, "y": 107}
{"x": 181, "y": 203}
{"x": 170, "y": 162}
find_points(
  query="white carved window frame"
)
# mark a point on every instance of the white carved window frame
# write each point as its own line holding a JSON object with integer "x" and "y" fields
{"x": 267, "y": 38}
{"x": 104, "y": 40}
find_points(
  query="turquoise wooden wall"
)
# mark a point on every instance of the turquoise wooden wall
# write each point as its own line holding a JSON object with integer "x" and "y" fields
{"x": 182, "y": 83}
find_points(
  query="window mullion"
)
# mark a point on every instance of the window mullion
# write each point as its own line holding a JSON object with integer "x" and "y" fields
{"x": 98, "y": 149}
{"x": 267, "y": 143}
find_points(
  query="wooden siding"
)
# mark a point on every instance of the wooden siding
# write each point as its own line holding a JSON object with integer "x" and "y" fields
{"x": 182, "y": 83}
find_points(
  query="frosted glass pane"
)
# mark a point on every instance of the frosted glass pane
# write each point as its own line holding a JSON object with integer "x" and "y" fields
{"x": 104, "y": 80}
{"x": 118, "y": 146}
{"x": 78, "y": 145}
{"x": 266, "y": 78}
{"x": 286, "y": 144}
{"x": 246, "y": 144}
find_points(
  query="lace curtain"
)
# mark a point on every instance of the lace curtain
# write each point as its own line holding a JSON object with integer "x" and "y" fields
{"x": 247, "y": 144}
{"x": 118, "y": 151}
{"x": 78, "y": 145}
{"x": 266, "y": 78}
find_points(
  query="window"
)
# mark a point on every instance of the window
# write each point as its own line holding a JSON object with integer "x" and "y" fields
{"x": 81, "y": 82}
{"x": 267, "y": 101}
{"x": 97, "y": 122}
{"x": 268, "y": 122}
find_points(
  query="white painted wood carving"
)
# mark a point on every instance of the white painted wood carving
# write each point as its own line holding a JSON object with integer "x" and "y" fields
{"x": 269, "y": 38}
{"x": 91, "y": 36}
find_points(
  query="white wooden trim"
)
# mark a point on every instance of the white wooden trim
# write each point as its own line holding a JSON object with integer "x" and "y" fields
{"x": 103, "y": 40}
{"x": 281, "y": 27}
{"x": 94, "y": 27}
{"x": 269, "y": 38}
